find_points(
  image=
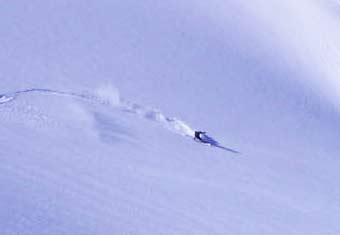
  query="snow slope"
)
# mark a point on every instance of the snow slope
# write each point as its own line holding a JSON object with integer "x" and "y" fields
{"x": 97, "y": 99}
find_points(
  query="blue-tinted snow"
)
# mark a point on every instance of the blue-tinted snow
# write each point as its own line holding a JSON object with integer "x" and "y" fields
{"x": 78, "y": 158}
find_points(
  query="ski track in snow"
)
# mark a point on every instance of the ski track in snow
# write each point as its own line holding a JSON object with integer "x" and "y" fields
{"x": 173, "y": 124}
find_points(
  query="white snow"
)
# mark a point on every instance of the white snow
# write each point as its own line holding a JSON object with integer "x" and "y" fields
{"x": 98, "y": 99}
{"x": 5, "y": 99}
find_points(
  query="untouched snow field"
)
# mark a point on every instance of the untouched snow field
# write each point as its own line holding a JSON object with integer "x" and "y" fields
{"x": 98, "y": 100}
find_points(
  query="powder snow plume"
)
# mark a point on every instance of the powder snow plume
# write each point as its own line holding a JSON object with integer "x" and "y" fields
{"x": 110, "y": 94}
{"x": 155, "y": 115}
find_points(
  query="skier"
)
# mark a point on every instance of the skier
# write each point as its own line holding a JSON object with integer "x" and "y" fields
{"x": 201, "y": 136}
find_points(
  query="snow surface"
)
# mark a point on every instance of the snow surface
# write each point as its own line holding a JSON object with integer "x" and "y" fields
{"x": 98, "y": 98}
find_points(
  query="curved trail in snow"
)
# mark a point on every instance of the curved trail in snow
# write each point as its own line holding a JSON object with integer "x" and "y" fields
{"x": 172, "y": 124}
{"x": 7, "y": 97}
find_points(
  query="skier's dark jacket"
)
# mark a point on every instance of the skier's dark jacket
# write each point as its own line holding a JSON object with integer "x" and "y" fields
{"x": 197, "y": 135}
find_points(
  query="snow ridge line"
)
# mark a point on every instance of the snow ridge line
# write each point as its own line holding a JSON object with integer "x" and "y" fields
{"x": 172, "y": 124}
